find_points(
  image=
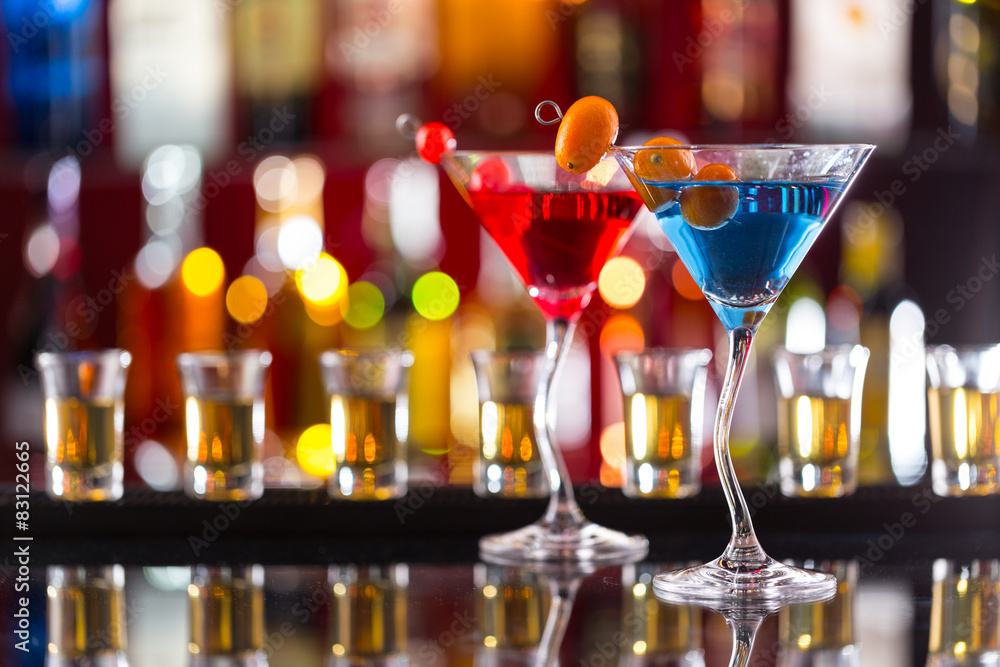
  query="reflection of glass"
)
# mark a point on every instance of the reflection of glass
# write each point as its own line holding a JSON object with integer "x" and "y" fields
{"x": 227, "y": 616}
{"x": 86, "y": 616}
{"x": 743, "y": 614}
{"x": 965, "y": 614}
{"x": 964, "y": 409}
{"x": 84, "y": 418}
{"x": 513, "y": 607}
{"x": 509, "y": 464}
{"x": 369, "y": 421}
{"x": 664, "y": 393}
{"x": 819, "y": 419}
{"x": 823, "y": 633}
{"x": 557, "y": 230}
{"x": 224, "y": 408}
{"x": 741, "y": 228}
{"x": 660, "y": 635}
{"x": 368, "y": 615}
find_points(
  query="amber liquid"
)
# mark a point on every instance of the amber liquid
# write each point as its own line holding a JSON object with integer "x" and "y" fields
{"x": 86, "y": 619}
{"x": 965, "y": 439}
{"x": 965, "y": 614}
{"x": 663, "y": 459}
{"x": 370, "y": 459}
{"x": 819, "y": 626}
{"x": 221, "y": 442}
{"x": 368, "y": 618}
{"x": 84, "y": 444}
{"x": 513, "y": 608}
{"x": 814, "y": 443}
{"x": 658, "y": 629}
{"x": 509, "y": 462}
{"x": 227, "y": 613}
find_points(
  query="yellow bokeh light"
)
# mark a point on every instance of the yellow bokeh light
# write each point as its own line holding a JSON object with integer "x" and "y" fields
{"x": 435, "y": 295}
{"x": 613, "y": 444}
{"x": 622, "y": 282}
{"x": 314, "y": 450}
{"x": 324, "y": 283}
{"x": 202, "y": 271}
{"x": 246, "y": 299}
{"x": 364, "y": 305}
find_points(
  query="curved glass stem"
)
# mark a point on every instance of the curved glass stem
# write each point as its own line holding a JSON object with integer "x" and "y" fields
{"x": 562, "y": 511}
{"x": 563, "y": 594}
{"x": 743, "y": 546}
{"x": 744, "y": 633}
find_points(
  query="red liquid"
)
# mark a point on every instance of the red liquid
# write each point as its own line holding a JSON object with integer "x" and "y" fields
{"x": 557, "y": 242}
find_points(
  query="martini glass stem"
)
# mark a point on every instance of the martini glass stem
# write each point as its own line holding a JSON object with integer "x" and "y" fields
{"x": 562, "y": 512}
{"x": 744, "y": 633}
{"x": 743, "y": 547}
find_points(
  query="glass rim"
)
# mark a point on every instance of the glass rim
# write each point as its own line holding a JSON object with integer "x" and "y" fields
{"x": 223, "y": 357}
{"x": 653, "y": 352}
{"x": 961, "y": 349}
{"x": 506, "y": 355}
{"x": 332, "y": 357}
{"x": 123, "y": 356}
{"x": 740, "y": 147}
{"x": 828, "y": 352}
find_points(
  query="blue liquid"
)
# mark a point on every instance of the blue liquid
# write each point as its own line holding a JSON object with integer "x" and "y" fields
{"x": 743, "y": 265}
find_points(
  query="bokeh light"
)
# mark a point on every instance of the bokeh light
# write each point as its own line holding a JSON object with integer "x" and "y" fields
{"x": 276, "y": 183}
{"x": 435, "y": 295}
{"x": 41, "y": 251}
{"x": 622, "y": 282}
{"x": 155, "y": 263}
{"x": 300, "y": 242}
{"x": 246, "y": 299}
{"x": 620, "y": 333}
{"x": 364, "y": 305}
{"x": 203, "y": 271}
{"x": 324, "y": 283}
{"x": 684, "y": 283}
{"x": 314, "y": 451}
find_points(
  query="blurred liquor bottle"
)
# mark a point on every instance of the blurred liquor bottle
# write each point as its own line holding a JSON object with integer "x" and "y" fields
{"x": 56, "y": 74}
{"x": 967, "y": 66}
{"x": 170, "y": 69}
{"x": 872, "y": 269}
{"x": 278, "y": 63}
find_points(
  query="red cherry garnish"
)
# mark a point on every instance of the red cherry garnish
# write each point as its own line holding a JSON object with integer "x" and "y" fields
{"x": 433, "y": 139}
{"x": 490, "y": 175}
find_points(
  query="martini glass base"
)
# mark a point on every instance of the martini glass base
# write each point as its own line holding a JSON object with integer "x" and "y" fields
{"x": 768, "y": 580}
{"x": 544, "y": 543}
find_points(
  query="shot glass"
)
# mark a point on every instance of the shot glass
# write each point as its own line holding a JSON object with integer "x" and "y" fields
{"x": 963, "y": 401}
{"x": 823, "y": 633}
{"x": 84, "y": 419}
{"x": 368, "y": 624}
{"x": 819, "y": 420}
{"x": 369, "y": 419}
{"x": 965, "y": 597}
{"x": 664, "y": 394}
{"x": 509, "y": 464}
{"x": 224, "y": 408}
{"x": 227, "y": 616}
{"x": 85, "y": 616}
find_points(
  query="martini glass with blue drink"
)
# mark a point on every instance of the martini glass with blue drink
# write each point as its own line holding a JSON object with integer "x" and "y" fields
{"x": 741, "y": 218}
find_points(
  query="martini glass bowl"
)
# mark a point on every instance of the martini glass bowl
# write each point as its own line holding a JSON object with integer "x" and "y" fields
{"x": 557, "y": 230}
{"x": 742, "y": 240}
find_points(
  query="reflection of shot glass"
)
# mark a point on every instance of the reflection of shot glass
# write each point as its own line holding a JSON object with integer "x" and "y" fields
{"x": 86, "y": 616}
{"x": 965, "y": 614}
{"x": 513, "y": 604}
{"x": 368, "y": 615}
{"x": 964, "y": 409}
{"x": 819, "y": 420}
{"x": 509, "y": 464}
{"x": 822, "y": 633}
{"x": 369, "y": 420}
{"x": 84, "y": 418}
{"x": 659, "y": 635}
{"x": 224, "y": 404}
{"x": 664, "y": 392}
{"x": 227, "y": 616}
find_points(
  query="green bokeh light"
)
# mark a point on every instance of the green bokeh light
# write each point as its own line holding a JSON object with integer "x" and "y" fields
{"x": 435, "y": 295}
{"x": 364, "y": 305}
